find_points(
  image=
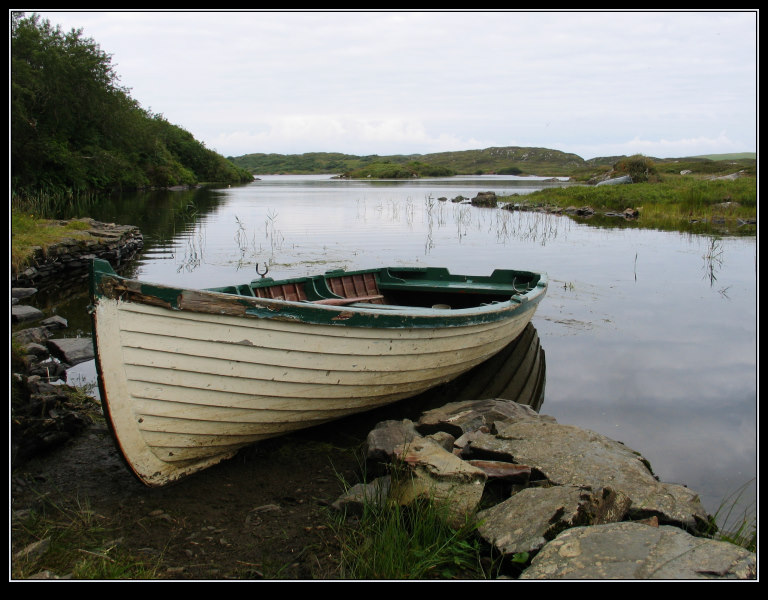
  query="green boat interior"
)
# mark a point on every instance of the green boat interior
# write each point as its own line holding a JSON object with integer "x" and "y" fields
{"x": 428, "y": 287}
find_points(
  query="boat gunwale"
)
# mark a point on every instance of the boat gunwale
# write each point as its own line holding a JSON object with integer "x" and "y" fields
{"x": 106, "y": 283}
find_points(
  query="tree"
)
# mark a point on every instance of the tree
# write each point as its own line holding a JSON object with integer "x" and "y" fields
{"x": 74, "y": 128}
{"x": 63, "y": 92}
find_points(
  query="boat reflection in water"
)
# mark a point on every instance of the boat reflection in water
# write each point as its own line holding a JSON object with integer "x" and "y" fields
{"x": 518, "y": 373}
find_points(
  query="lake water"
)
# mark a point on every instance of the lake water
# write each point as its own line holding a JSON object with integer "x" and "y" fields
{"x": 650, "y": 336}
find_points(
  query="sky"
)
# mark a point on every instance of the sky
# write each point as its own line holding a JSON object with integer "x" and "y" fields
{"x": 594, "y": 83}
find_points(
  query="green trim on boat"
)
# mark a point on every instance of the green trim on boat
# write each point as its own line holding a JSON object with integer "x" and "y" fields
{"x": 418, "y": 297}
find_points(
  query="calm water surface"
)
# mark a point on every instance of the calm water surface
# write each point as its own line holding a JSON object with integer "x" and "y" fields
{"x": 650, "y": 336}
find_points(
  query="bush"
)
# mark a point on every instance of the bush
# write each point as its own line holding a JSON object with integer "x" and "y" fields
{"x": 638, "y": 167}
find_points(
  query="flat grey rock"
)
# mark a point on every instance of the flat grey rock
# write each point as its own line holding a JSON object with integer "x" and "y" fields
{"x": 23, "y": 312}
{"x": 72, "y": 350}
{"x": 568, "y": 455}
{"x": 354, "y": 500}
{"x": 635, "y": 551}
{"x": 23, "y": 292}
{"x": 617, "y": 181}
{"x": 529, "y": 519}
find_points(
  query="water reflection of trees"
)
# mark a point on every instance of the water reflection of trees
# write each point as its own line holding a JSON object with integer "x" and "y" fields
{"x": 162, "y": 214}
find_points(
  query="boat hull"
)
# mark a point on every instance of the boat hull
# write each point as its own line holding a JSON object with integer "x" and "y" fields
{"x": 187, "y": 384}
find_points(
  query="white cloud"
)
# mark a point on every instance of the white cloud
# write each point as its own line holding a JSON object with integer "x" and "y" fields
{"x": 341, "y": 133}
{"x": 660, "y": 148}
{"x": 417, "y": 82}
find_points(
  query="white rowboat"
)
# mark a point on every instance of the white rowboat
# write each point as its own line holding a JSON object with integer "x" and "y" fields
{"x": 188, "y": 377}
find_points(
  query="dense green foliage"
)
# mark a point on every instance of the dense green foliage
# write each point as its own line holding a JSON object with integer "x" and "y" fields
{"x": 393, "y": 170}
{"x": 346, "y": 165}
{"x": 74, "y": 128}
{"x": 526, "y": 161}
{"x": 302, "y": 164}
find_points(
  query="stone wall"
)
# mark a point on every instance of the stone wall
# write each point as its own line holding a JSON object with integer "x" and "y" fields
{"x": 67, "y": 261}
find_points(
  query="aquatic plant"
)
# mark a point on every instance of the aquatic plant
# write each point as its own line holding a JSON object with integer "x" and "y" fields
{"x": 734, "y": 522}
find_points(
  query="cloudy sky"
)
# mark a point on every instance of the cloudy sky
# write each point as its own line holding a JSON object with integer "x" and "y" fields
{"x": 663, "y": 84}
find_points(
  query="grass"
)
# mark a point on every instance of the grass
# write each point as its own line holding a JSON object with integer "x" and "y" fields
{"x": 30, "y": 232}
{"x": 415, "y": 542}
{"x": 421, "y": 540}
{"x": 675, "y": 200}
{"x": 390, "y": 541}
{"x": 72, "y": 542}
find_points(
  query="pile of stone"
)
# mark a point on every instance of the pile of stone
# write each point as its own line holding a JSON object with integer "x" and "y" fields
{"x": 43, "y": 413}
{"x": 563, "y": 502}
{"x": 44, "y": 416}
{"x": 579, "y": 211}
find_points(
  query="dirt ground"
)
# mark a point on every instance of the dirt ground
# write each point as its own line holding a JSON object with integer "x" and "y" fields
{"x": 260, "y": 515}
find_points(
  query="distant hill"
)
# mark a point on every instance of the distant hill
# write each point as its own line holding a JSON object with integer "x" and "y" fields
{"x": 509, "y": 160}
{"x": 732, "y": 156}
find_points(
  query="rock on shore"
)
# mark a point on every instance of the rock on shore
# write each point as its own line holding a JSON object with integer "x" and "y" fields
{"x": 580, "y": 505}
{"x": 45, "y": 414}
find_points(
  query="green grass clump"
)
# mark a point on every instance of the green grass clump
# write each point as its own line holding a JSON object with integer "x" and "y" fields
{"x": 424, "y": 538}
{"x": 408, "y": 542}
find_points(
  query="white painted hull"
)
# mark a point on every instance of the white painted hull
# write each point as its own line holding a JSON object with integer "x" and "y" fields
{"x": 185, "y": 390}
